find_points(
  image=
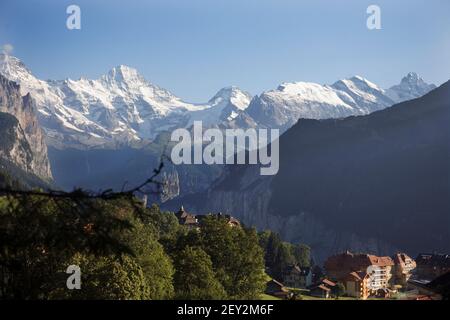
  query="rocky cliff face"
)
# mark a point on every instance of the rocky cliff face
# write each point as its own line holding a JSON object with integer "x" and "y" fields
{"x": 14, "y": 145}
{"x": 171, "y": 186}
{"x": 249, "y": 201}
{"x": 26, "y": 131}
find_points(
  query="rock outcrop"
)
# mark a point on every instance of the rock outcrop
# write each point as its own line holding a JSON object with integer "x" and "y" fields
{"x": 25, "y": 132}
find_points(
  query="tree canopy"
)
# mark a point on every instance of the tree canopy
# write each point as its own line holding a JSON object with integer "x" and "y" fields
{"x": 127, "y": 251}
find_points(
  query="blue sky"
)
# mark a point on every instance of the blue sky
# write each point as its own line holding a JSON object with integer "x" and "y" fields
{"x": 195, "y": 47}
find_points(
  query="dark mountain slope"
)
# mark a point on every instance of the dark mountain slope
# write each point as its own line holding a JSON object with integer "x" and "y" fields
{"x": 379, "y": 182}
{"x": 385, "y": 175}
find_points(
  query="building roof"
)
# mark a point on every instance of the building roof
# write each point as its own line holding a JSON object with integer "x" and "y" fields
{"x": 380, "y": 261}
{"x": 355, "y": 276}
{"x": 328, "y": 282}
{"x": 181, "y": 213}
{"x": 356, "y": 262}
{"x": 189, "y": 219}
{"x": 404, "y": 262}
{"x": 186, "y": 218}
{"x": 231, "y": 220}
{"x": 277, "y": 284}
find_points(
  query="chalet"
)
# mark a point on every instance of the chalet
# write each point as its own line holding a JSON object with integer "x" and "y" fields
{"x": 186, "y": 219}
{"x": 364, "y": 274}
{"x": 430, "y": 266}
{"x": 378, "y": 269}
{"x": 193, "y": 221}
{"x": 322, "y": 289}
{"x": 297, "y": 277}
{"x": 330, "y": 284}
{"x": 277, "y": 289}
{"x": 356, "y": 284}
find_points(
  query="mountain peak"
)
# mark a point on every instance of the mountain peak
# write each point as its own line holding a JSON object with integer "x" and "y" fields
{"x": 12, "y": 67}
{"x": 125, "y": 74}
{"x": 411, "y": 86}
{"x": 359, "y": 78}
{"x": 296, "y": 87}
{"x": 6, "y": 58}
{"x": 412, "y": 78}
{"x": 356, "y": 79}
{"x": 355, "y": 82}
{"x": 228, "y": 92}
{"x": 233, "y": 94}
{"x": 124, "y": 69}
{"x": 412, "y": 75}
{"x": 230, "y": 89}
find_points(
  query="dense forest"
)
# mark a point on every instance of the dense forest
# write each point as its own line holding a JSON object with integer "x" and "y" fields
{"x": 128, "y": 251}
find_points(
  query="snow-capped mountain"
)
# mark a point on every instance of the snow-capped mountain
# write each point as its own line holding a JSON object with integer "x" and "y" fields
{"x": 119, "y": 108}
{"x": 411, "y": 87}
{"x": 123, "y": 108}
{"x": 281, "y": 108}
{"x": 365, "y": 95}
{"x": 225, "y": 106}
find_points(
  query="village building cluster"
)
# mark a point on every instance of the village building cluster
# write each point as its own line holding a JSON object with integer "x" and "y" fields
{"x": 363, "y": 276}
{"x": 193, "y": 221}
{"x": 357, "y": 275}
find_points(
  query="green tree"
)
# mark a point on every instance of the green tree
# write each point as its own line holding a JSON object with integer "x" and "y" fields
{"x": 40, "y": 236}
{"x": 283, "y": 259}
{"x": 194, "y": 278}
{"x": 279, "y": 254}
{"x": 149, "y": 253}
{"x": 271, "y": 244}
{"x": 165, "y": 223}
{"x": 302, "y": 255}
{"x": 106, "y": 278}
{"x": 237, "y": 258}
